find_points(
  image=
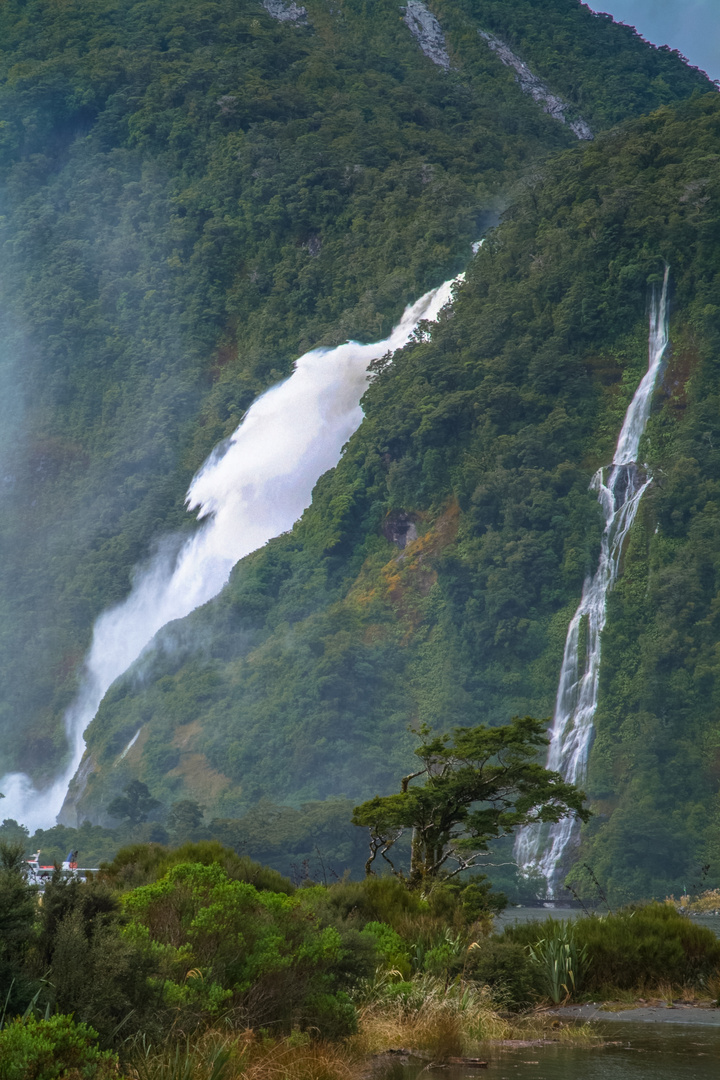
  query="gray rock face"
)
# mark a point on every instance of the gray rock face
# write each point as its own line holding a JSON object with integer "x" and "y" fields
{"x": 399, "y": 528}
{"x": 536, "y": 88}
{"x": 285, "y": 12}
{"x": 313, "y": 246}
{"x": 425, "y": 28}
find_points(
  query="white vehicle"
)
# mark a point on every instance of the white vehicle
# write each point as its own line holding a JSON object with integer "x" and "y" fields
{"x": 39, "y": 874}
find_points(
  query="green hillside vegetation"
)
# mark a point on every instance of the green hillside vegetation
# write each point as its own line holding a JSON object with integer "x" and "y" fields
{"x": 602, "y": 68}
{"x": 312, "y": 842}
{"x": 191, "y": 195}
{"x": 485, "y": 432}
{"x": 209, "y": 965}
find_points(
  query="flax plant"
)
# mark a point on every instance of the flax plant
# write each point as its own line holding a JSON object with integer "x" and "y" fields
{"x": 560, "y": 963}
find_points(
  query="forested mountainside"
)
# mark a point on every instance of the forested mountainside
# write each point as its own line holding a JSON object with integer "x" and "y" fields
{"x": 484, "y": 434}
{"x": 192, "y": 194}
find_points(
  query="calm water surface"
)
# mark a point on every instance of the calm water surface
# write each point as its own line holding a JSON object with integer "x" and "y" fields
{"x": 637, "y": 1052}
{"x": 644, "y": 1052}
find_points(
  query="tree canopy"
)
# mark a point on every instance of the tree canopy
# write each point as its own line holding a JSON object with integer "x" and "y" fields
{"x": 134, "y": 804}
{"x": 479, "y": 784}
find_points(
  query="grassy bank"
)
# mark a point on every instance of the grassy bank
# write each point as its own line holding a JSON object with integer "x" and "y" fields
{"x": 440, "y": 1021}
{"x": 437, "y": 1025}
{"x": 706, "y": 903}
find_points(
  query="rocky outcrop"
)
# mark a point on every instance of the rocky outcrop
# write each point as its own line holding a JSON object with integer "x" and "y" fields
{"x": 313, "y": 246}
{"x": 536, "y": 88}
{"x": 425, "y": 28}
{"x": 399, "y": 528}
{"x": 285, "y": 12}
{"x": 78, "y": 785}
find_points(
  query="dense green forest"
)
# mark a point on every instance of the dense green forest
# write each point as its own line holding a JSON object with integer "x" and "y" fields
{"x": 163, "y": 171}
{"x": 191, "y": 195}
{"x": 485, "y": 431}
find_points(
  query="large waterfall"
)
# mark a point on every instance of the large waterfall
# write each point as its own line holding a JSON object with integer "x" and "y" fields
{"x": 253, "y": 487}
{"x": 539, "y": 849}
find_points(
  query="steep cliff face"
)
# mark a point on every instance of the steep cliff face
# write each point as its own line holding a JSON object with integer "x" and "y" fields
{"x": 484, "y": 434}
{"x": 426, "y": 30}
{"x": 537, "y": 89}
{"x": 195, "y": 193}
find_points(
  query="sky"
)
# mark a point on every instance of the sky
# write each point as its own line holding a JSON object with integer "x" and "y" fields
{"x": 691, "y": 26}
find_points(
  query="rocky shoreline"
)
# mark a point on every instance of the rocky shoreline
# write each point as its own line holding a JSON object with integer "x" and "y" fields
{"x": 680, "y": 1013}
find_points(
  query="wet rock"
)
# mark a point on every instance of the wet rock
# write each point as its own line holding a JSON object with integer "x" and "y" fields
{"x": 399, "y": 528}
{"x": 387, "y": 1062}
{"x": 227, "y": 104}
{"x": 426, "y": 30}
{"x": 313, "y": 246}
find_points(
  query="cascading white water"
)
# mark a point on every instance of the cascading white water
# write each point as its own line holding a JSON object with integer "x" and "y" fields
{"x": 255, "y": 486}
{"x": 539, "y": 849}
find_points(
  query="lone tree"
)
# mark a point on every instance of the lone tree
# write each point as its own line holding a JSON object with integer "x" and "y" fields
{"x": 480, "y": 784}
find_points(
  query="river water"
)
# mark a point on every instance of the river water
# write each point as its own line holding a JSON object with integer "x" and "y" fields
{"x": 630, "y": 1052}
{"x": 623, "y": 1051}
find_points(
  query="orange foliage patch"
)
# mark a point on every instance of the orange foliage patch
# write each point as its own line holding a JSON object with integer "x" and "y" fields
{"x": 201, "y": 781}
{"x": 185, "y": 733}
{"x": 408, "y": 577}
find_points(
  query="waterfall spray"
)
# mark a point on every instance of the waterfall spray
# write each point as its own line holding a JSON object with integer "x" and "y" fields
{"x": 251, "y": 488}
{"x": 540, "y": 849}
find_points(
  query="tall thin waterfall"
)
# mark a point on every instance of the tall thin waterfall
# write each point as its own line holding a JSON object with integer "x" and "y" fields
{"x": 540, "y": 848}
{"x": 253, "y": 487}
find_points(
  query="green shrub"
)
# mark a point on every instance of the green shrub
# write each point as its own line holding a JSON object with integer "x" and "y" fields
{"x": 635, "y": 948}
{"x": 97, "y": 973}
{"x": 472, "y": 899}
{"x": 390, "y": 947}
{"x": 221, "y": 944}
{"x": 331, "y": 1015}
{"x": 140, "y": 864}
{"x": 647, "y": 946}
{"x": 505, "y": 968}
{"x": 529, "y": 933}
{"x": 445, "y": 954}
{"x": 33, "y": 1049}
{"x": 374, "y": 899}
{"x": 18, "y": 904}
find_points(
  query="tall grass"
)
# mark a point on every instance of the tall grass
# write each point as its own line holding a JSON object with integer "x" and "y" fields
{"x": 442, "y": 1022}
{"x": 427, "y": 1016}
{"x": 422, "y": 1016}
{"x": 248, "y": 1055}
{"x": 207, "y": 1060}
